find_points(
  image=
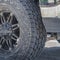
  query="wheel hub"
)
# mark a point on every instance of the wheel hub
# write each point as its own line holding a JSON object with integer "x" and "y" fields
{"x": 6, "y": 29}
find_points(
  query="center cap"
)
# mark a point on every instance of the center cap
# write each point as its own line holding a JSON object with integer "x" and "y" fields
{"x": 6, "y": 26}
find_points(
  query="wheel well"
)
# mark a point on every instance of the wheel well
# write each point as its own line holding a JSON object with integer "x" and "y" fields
{"x": 36, "y": 1}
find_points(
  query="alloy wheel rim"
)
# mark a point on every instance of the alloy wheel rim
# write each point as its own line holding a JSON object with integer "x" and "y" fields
{"x": 9, "y": 31}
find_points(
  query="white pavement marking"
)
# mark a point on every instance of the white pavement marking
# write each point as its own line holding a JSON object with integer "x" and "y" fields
{"x": 52, "y": 43}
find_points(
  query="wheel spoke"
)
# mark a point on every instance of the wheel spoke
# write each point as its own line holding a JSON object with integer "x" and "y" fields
{"x": 10, "y": 48}
{"x": 2, "y": 18}
{"x": 15, "y": 35}
{"x": 13, "y": 38}
{"x": 0, "y": 30}
{"x": 10, "y": 18}
{"x": 14, "y": 25}
{"x": 3, "y": 40}
{"x": 0, "y": 46}
{"x": 10, "y": 43}
{"x": 7, "y": 43}
{"x": 15, "y": 28}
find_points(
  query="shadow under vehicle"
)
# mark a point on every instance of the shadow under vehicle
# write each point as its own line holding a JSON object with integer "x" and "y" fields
{"x": 50, "y": 10}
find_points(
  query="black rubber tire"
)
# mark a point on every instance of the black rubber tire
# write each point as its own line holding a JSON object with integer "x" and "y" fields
{"x": 32, "y": 30}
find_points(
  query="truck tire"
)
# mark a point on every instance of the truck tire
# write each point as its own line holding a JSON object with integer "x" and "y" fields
{"x": 22, "y": 33}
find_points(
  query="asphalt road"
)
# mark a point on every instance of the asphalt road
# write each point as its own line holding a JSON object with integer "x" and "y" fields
{"x": 51, "y": 51}
{"x": 50, "y": 54}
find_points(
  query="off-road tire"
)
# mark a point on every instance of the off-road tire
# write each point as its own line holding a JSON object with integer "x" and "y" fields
{"x": 32, "y": 31}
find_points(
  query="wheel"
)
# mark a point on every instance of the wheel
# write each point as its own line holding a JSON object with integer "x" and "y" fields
{"x": 22, "y": 33}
